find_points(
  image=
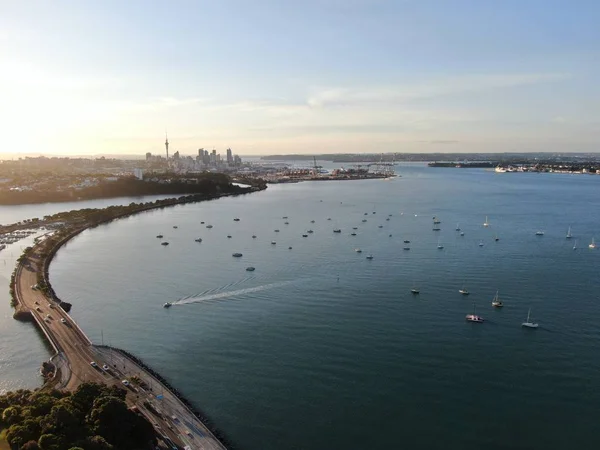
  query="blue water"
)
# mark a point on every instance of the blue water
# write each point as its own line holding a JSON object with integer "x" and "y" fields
{"x": 321, "y": 348}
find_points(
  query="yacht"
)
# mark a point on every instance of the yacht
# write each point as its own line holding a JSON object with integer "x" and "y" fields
{"x": 237, "y": 255}
{"x": 593, "y": 244}
{"x": 358, "y": 250}
{"x": 499, "y": 169}
{"x": 370, "y": 257}
{"x": 164, "y": 243}
{"x": 462, "y": 233}
{"x": 474, "y": 318}
{"x": 167, "y": 305}
{"x": 529, "y": 323}
{"x": 569, "y": 235}
{"x": 496, "y": 301}
{"x": 273, "y": 242}
{"x": 415, "y": 291}
{"x": 486, "y": 223}
{"x": 457, "y": 227}
{"x": 198, "y": 239}
{"x": 481, "y": 243}
{"x": 440, "y": 246}
{"x": 539, "y": 233}
{"x": 160, "y": 236}
{"x": 250, "y": 269}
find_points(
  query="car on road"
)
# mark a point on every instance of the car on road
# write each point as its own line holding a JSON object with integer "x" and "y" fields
{"x": 47, "y": 320}
{"x": 63, "y": 320}
{"x": 37, "y": 308}
{"x": 93, "y": 364}
{"x": 48, "y": 316}
{"x": 125, "y": 383}
{"x": 50, "y": 305}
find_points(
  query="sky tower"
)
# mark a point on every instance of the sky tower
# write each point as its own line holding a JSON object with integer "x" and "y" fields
{"x": 167, "y": 145}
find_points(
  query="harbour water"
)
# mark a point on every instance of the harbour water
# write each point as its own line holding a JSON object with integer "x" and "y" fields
{"x": 322, "y": 348}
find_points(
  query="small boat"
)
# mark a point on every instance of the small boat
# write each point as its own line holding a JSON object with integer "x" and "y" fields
{"x": 289, "y": 248}
{"x": 380, "y": 226}
{"x": 164, "y": 243}
{"x": 528, "y": 323}
{"x": 370, "y": 257}
{"x": 198, "y": 239}
{"x": 481, "y": 243}
{"x": 312, "y": 221}
{"x": 374, "y": 212}
{"x": 457, "y": 227}
{"x": 593, "y": 244}
{"x": 237, "y": 255}
{"x": 337, "y": 230}
{"x": 352, "y": 234}
{"x": 390, "y": 235}
{"x": 569, "y": 235}
{"x": 284, "y": 217}
{"x": 406, "y": 241}
{"x": 366, "y": 214}
{"x": 364, "y": 220}
{"x": 167, "y": 305}
{"x": 440, "y": 246}
{"x": 473, "y": 317}
{"x": 202, "y": 223}
{"x": 250, "y": 269}
{"x": 389, "y": 215}
{"x": 305, "y": 235}
{"x": 496, "y": 238}
{"x": 462, "y": 233}
{"x": 463, "y": 291}
{"x": 273, "y": 242}
{"x": 415, "y": 291}
{"x": 486, "y": 223}
{"x": 539, "y": 233}
{"x": 310, "y": 231}
{"x": 209, "y": 226}
{"x": 496, "y": 301}
{"x": 253, "y": 236}
{"x": 174, "y": 226}
{"x": 358, "y": 250}
{"x": 276, "y": 231}
{"x": 388, "y": 219}
{"x": 355, "y": 228}
{"x": 236, "y": 219}
{"x": 329, "y": 218}
{"x": 406, "y": 248}
{"x": 286, "y": 223}
{"x": 160, "y": 236}
{"x": 436, "y": 220}
{"x": 575, "y": 245}
{"x": 229, "y": 236}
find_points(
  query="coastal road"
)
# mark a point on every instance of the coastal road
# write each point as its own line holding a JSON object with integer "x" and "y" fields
{"x": 172, "y": 420}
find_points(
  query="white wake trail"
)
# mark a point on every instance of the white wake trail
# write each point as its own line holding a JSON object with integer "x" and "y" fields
{"x": 228, "y": 294}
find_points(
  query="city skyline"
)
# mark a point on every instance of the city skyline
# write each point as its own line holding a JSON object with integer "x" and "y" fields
{"x": 318, "y": 77}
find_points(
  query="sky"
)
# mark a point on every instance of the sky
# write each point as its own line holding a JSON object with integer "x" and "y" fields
{"x": 313, "y": 76}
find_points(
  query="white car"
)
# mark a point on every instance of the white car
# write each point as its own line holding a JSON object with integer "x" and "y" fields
{"x": 125, "y": 383}
{"x": 93, "y": 364}
{"x": 63, "y": 320}
{"x": 104, "y": 367}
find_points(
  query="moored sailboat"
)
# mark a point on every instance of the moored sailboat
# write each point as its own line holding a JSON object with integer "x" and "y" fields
{"x": 496, "y": 301}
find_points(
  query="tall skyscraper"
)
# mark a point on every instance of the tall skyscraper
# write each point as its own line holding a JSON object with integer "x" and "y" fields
{"x": 167, "y": 145}
{"x": 229, "y": 157}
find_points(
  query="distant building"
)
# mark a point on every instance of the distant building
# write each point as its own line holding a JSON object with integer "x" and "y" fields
{"x": 138, "y": 173}
{"x": 148, "y": 156}
{"x": 176, "y": 155}
{"x": 229, "y": 157}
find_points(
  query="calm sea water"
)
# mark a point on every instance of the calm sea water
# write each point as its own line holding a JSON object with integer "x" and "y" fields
{"x": 321, "y": 348}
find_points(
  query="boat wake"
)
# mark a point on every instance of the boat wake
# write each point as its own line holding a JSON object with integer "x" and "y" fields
{"x": 229, "y": 294}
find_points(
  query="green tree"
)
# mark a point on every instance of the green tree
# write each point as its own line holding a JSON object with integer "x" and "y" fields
{"x": 18, "y": 435}
{"x": 50, "y": 442}
{"x": 110, "y": 419}
{"x": 31, "y": 445}
{"x": 97, "y": 443}
{"x": 11, "y": 415}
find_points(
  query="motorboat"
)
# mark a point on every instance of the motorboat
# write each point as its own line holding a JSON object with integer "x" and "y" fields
{"x": 481, "y": 243}
{"x": 209, "y": 226}
{"x": 462, "y": 233}
{"x": 380, "y": 226}
{"x": 236, "y": 219}
{"x": 486, "y": 223}
{"x": 358, "y": 250}
{"x": 284, "y": 217}
{"x": 370, "y": 257}
{"x": 237, "y": 255}
{"x": 250, "y": 269}
{"x": 312, "y": 221}
{"x": 337, "y": 230}
{"x": 229, "y": 236}
{"x": 415, "y": 291}
{"x": 463, "y": 291}
{"x": 592, "y": 245}
{"x": 273, "y": 242}
{"x": 539, "y": 233}
{"x": 286, "y": 223}
{"x": 364, "y": 220}
{"x": 276, "y": 231}
{"x": 164, "y": 243}
{"x": 175, "y": 226}
{"x": 310, "y": 231}
{"x": 355, "y": 228}
{"x": 198, "y": 239}
{"x": 305, "y": 235}
{"x": 167, "y": 305}
{"x": 406, "y": 241}
{"x": 253, "y": 236}
{"x": 352, "y": 234}
{"x": 160, "y": 236}
{"x": 406, "y": 248}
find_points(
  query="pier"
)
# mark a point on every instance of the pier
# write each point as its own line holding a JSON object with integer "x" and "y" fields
{"x": 175, "y": 422}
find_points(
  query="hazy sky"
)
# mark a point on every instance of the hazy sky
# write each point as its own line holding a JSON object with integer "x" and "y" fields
{"x": 304, "y": 76}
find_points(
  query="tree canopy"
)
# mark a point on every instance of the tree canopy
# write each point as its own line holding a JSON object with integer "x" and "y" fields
{"x": 94, "y": 417}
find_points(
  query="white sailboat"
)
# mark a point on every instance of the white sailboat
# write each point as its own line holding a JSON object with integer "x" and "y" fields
{"x": 463, "y": 290}
{"x": 473, "y": 317}
{"x": 496, "y": 301}
{"x": 528, "y": 323}
{"x": 569, "y": 235}
{"x": 575, "y": 245}
{"x": 593, "y": 244}
{"x": 440, "y": 246}
{"x": 486, "y": 223}
{"x": 457, "y": 227}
